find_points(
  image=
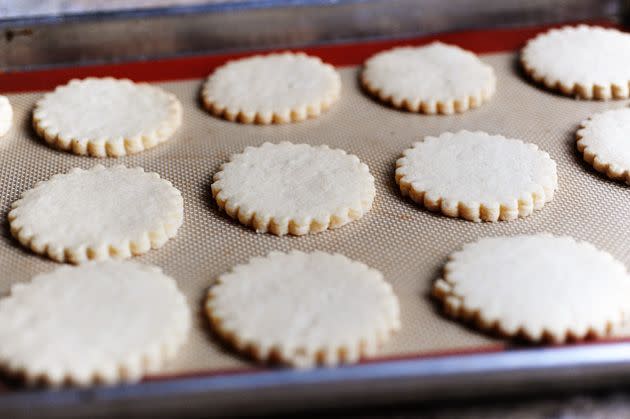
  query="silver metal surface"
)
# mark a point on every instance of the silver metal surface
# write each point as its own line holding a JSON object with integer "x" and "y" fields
{"x": 538, "y": 370}
{"x": 150, "y": 33}
{"x": 130, "y": 35}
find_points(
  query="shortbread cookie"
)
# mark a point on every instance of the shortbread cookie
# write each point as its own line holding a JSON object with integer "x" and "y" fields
{"x": 536, "y": 287}
{"x": 106, "y": 117}
{"x": 588, "y": 62}
{"x": 303, "y": 309}
{"x": 6, "y": 115}
{"x": 96, "y": 214}
{"x": 437, "y": 78}
{"x": 294, "y": 188}
{"x": 101, "y": 323}
{"x": 274, "y": 88}
{"x": 604, "y": 141}
{"x": 477, "y": 176}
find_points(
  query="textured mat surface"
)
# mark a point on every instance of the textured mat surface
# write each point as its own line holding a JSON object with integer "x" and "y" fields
{"x": 408, "y": 244}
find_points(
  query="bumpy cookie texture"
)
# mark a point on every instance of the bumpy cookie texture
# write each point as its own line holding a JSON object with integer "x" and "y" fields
{"x": 304, "y": 309}
{"x": 6, "y": 115}
{"x": 604, "y": 141}
{"x": 97, "y": 214}
{"x": 106, "y": 117}
{"x": 477, "y": 176}
{"x": 540, "y": 287}
{"x": 294, "y": 188}
{"x": 274, "y": 88}
{"x": 100, "y": 323}
{"x": 437, "y": 78}
{"x": 588, "y": 62}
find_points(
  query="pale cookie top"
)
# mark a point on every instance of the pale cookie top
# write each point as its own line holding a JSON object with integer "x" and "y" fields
{"x": 436, "y": 73}
{"x": 304, "y": 308}
{"x": 537, "y": 286}
{"x": 294, "y": 182}
{"x": 605, "y": 141}
{"x": 101, "y": 322}
{"x": 107, "y": 117}
{"x": 582, "y": 55}
{"x": 272, "y": 88}
{"x": 97, "y": 213}
{"x": 6, "y": 115}
{"x": 475, "y": 167}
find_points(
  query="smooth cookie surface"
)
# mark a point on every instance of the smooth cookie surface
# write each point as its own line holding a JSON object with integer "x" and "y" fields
{"x": 294, "y": 188}
{"x": 103, "y": 322}
{"x": 103, "y": 117}
{"x": 604, "y": 141}
{"x": 274, "y": 88}
{"x": 437, "y": 78}
{"x": 589, "y": 62}
{"x": 97, "y": 214}
{"x": 6, "y": 115}
{"x": 477, "y": 176}
{"x": 304, "y": 309}
{"x": 537, "y": 287}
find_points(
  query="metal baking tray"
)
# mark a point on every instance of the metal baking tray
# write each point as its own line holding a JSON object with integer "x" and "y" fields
{"x": 433, "y": 358}
{"x": 94, "y": 35}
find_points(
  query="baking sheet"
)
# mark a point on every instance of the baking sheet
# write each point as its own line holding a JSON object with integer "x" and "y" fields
{"x": 407, "y": 243}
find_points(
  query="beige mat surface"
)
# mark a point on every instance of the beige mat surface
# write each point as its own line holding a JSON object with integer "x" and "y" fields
{"x": 408, "y": 244}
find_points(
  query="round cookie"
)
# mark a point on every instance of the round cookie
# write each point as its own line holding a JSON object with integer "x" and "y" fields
{"x": 604, "y": 142}
{"x": 477, "y": 176}
{"x": 437, "y": 78}
{"x": 6, "y": 115}
{"x": 294, "y": 188}
{"x": 588, "y": 62}
{"x": 537, "y": 287}
{"x": 106, "y": 117}
{"x": 303, "y": 309}
{"x": 274, "y": 88}
{"x": 102, "y": 322}
{"x": 96, "y": 214}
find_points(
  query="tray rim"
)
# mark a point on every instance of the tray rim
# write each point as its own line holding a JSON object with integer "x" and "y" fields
{"x": 451, "y": 376}
{"x": 93, "y": 37}
{"x": 198, "y": 66}
{"x": 160, "y": 11}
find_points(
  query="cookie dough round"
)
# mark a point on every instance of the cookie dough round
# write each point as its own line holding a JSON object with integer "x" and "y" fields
{"x": 477, "y": 176}
{"x": 588, "y": 62}
{"x": 96, "y": 214}
{"x": 102, "y": 322}
{"x": 294, "y": 188}
{"x": 604, "y": 142}
{"x": 274, "y": 88}
{"x": 304, "y": 309}
{"x": 437, "y": 78}
{"x": 106, "y": 117}
{"x": 6, "y": 115}
{"x": 537, "y": 287}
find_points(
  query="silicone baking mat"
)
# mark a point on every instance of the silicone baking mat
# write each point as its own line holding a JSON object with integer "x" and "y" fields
{"x": 407, "y": 243}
